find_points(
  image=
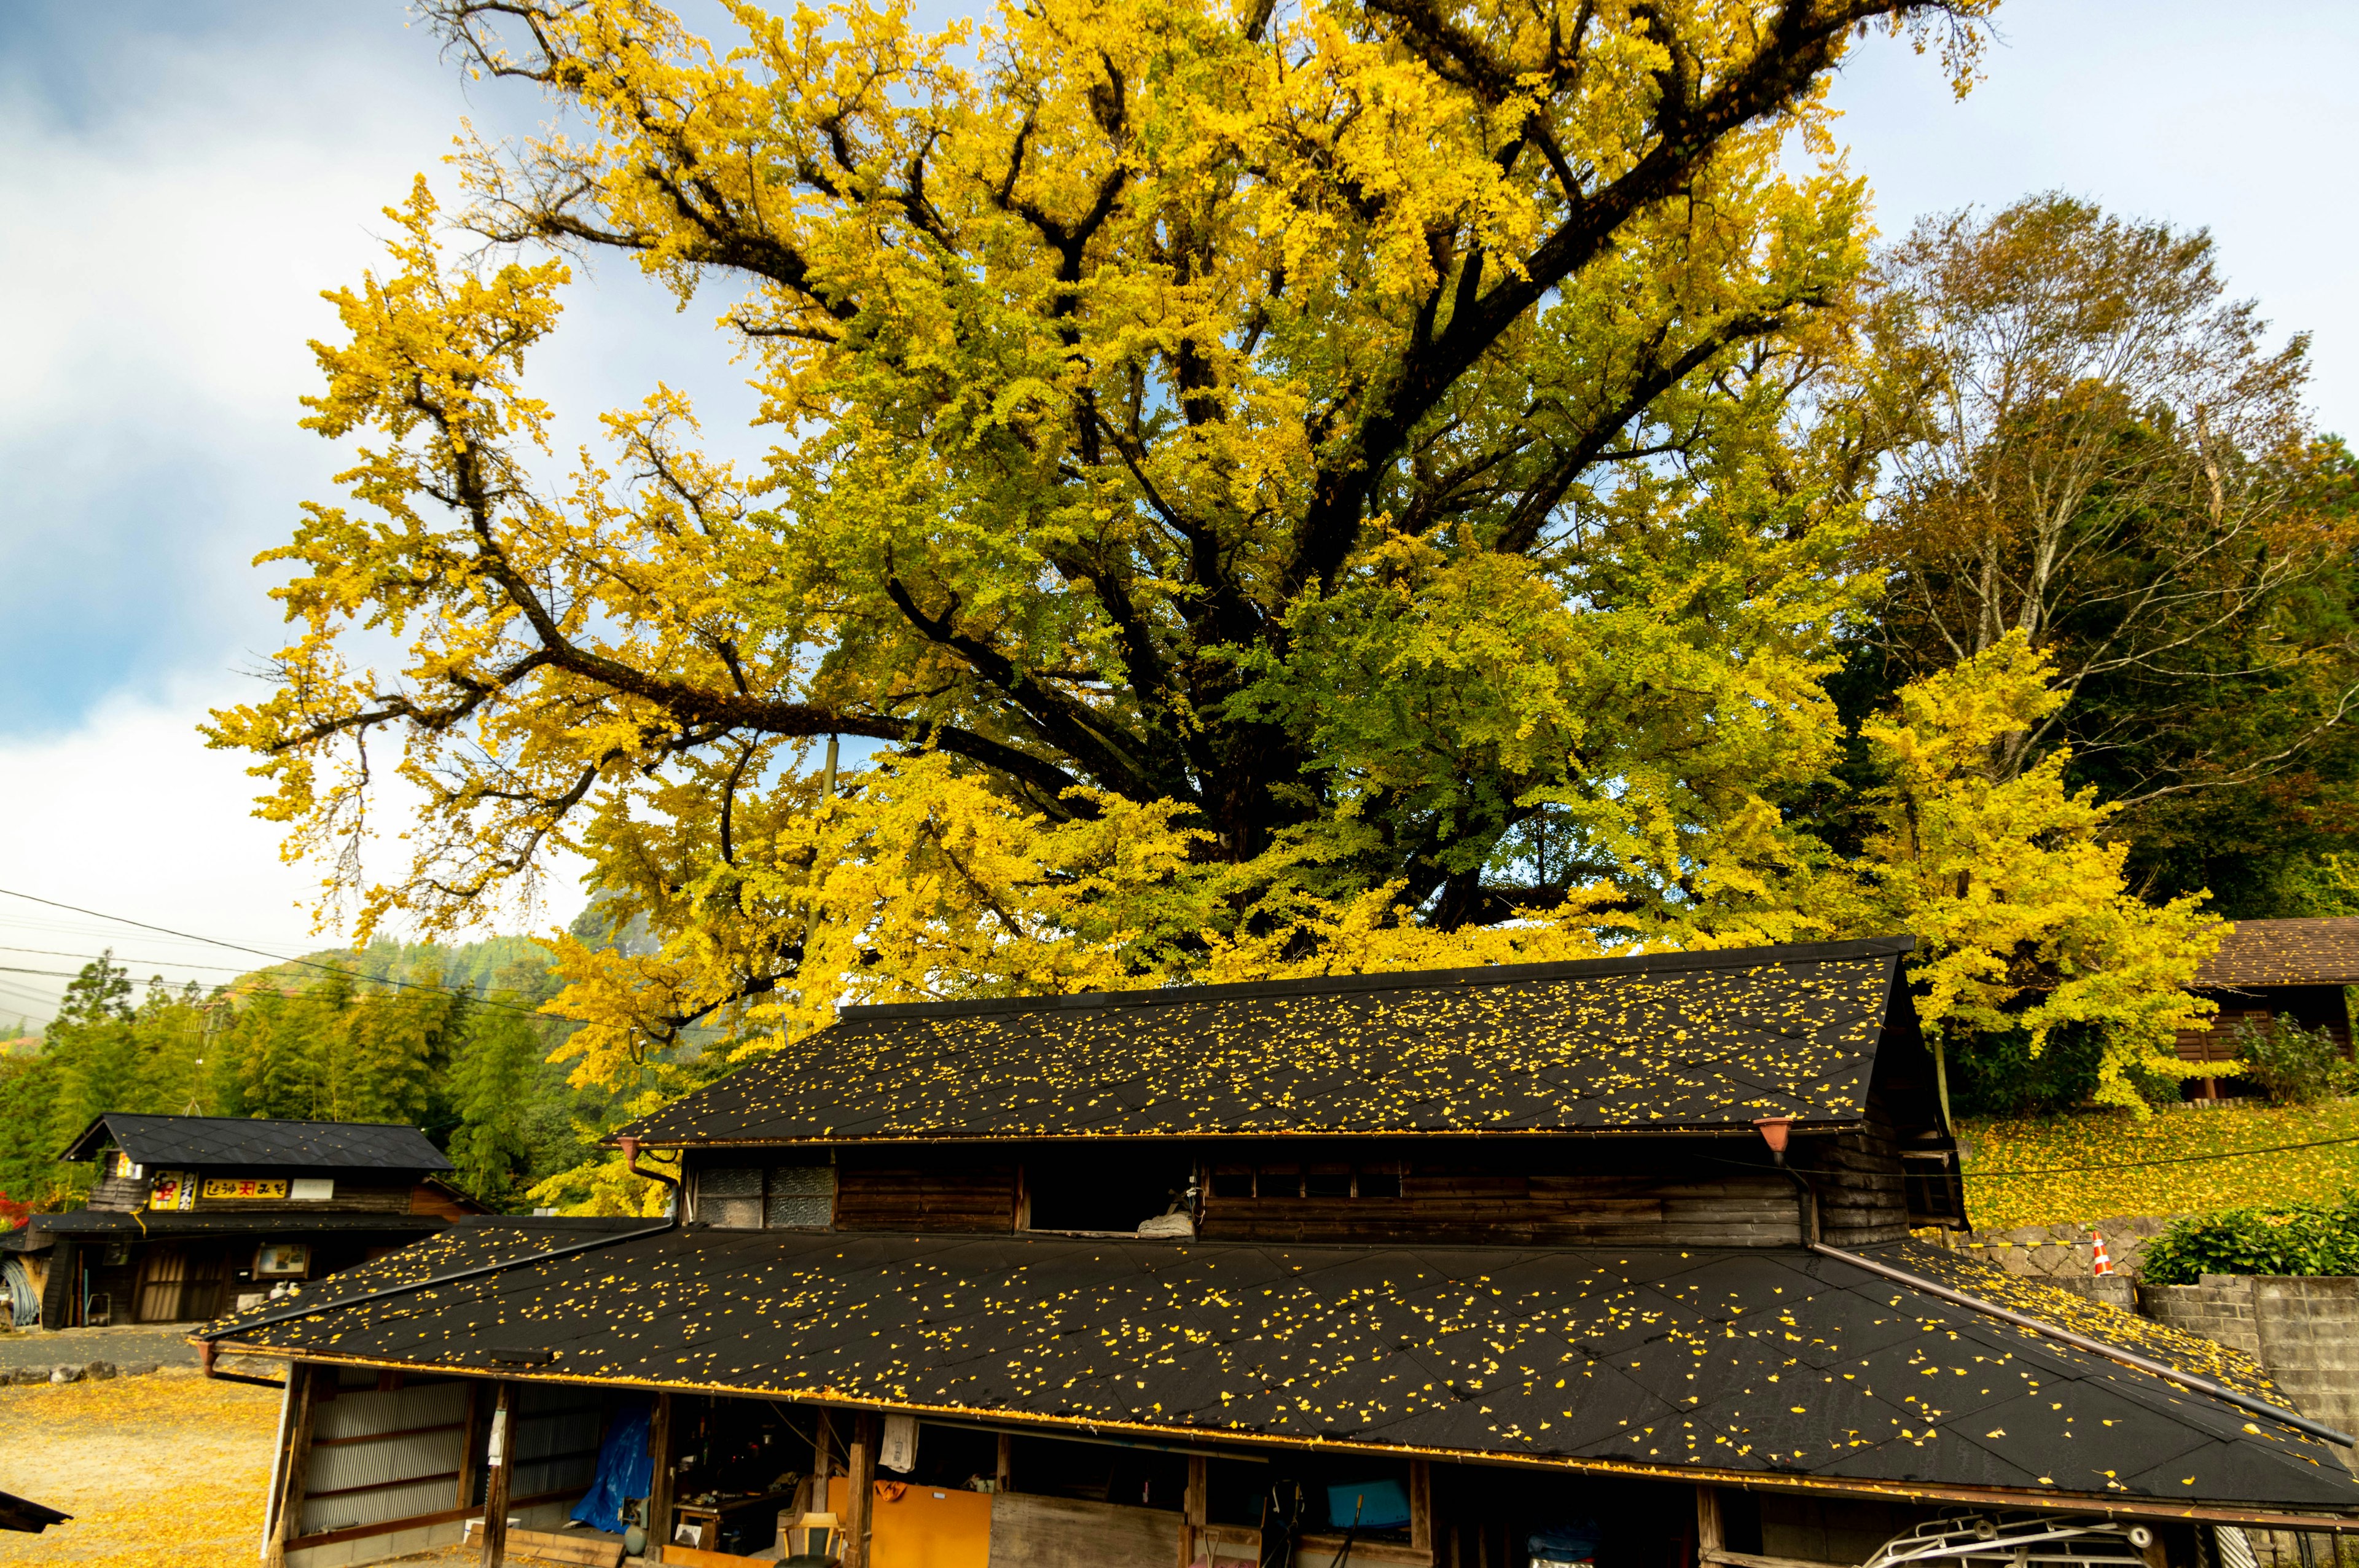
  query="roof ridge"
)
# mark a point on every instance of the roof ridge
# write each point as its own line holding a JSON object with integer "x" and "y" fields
{"x": 1673, "y": 961}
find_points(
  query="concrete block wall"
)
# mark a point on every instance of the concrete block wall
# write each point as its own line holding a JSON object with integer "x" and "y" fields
{"x": 2304, "y": 1332}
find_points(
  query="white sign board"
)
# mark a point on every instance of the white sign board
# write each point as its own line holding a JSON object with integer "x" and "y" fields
{"x": 899, "y": 1449}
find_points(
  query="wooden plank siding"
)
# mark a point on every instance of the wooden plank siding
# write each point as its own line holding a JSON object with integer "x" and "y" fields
{"x": 948, "y": 1195}
{"x": 1468, "y": 1203}
{"x": 118, "y": 1194}
{"x": 1862, "y": 1197}
{"x": 1518, "y": 1193}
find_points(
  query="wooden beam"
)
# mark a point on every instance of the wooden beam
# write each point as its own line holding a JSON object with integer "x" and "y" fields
{"x": 415, "y": 1522}
{"x": 1711, "y": 1538}
{"x": 296, "y": 1475}
{"x": 496, "y": 1469}
{"x": 1752, "y": 1559}
{"x": 1003, "y": 1469}
{"x": 660, "y": 1472}
{"x": 1421, "y": 1506}
{"x": 467, "y": 1471}
{"x": 860, "y": 1489}
{"x": 1191, "y": 1508}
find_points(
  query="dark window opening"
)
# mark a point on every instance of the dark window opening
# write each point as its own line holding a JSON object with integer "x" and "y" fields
{"x": 1113, "y": 1189}
{"x": 1323, "y": 1496}
{"x": 1328, "y": 1182}
{"x": 1098, "y": 1473}
{"x": 1233, "y": 1183}
{"x": 1380, "y": 1184}
{"x": 952, "y": 1458}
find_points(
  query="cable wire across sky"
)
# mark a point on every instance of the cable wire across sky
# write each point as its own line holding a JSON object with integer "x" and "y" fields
{"x": 468, "y": 991}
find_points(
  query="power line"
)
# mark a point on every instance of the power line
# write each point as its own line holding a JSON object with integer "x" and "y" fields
{"x": 2177, "y": 1159}
{"x": 468, "y": 991}
{"x": 168, "y": 963}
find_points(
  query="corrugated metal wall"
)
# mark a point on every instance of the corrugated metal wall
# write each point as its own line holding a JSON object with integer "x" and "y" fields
{"x": 378, "y": 1456}
{"x": 555, "y": 1446}
{"x": 383, "y": 1455}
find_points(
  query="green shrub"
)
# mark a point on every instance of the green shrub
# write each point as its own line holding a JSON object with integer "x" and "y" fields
{"x": 2304, "y": 1238}
{"x": 2293, "y": 1065}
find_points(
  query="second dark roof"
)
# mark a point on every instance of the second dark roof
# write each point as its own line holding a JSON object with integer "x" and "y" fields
{"x": 1760, "y": 1364}
{"x": 1659, "y": 1042}
{"x": 2313, "y": 951}
{"x": 173, "y": 1143}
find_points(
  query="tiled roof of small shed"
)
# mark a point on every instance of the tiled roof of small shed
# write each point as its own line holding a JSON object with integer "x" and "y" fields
{"x": 173, "y": 1143}
{"x": 2318, "y": 951}
{"x": 1664, "y": 1040}
{"x": 1780, "y": 1363}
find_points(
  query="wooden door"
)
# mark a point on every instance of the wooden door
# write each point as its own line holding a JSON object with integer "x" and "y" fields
{"x": 163, "y": 1271}
{"x": 178, "y": 1284}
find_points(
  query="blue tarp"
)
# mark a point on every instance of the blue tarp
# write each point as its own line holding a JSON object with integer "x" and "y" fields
{"x": 1378, "y": 1505}
{"x": 623, "y": 1470}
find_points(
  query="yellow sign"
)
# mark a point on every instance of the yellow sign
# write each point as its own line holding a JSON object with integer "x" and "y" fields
{"x": 244, "y": 1187}
{"x": 172, "y": 1190}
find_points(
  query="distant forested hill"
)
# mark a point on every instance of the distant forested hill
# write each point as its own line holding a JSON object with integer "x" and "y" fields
{"x": 446, "y": 1038}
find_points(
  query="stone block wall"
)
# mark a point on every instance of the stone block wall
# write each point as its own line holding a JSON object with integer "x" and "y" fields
{"x": 2063, "y": 1252}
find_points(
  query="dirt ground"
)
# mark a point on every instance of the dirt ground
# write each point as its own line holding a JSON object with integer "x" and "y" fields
{"x": 165, "y": 1471}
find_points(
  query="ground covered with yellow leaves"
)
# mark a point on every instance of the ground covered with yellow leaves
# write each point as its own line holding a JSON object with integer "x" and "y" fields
{"x": 160, "y": 1472}
{"x": 2102, "y": 1165}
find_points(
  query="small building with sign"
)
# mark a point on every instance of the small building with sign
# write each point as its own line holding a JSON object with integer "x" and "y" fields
{"x": 193, "y": 1217}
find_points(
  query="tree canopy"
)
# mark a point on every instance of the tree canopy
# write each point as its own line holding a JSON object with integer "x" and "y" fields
{"x": 1370, "y": 485}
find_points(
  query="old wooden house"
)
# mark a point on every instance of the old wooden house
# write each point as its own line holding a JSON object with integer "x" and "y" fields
{"x": 191, "y": 1216}
{"x": 1604, "y": 1262}
{"x": 2295, "y": 970}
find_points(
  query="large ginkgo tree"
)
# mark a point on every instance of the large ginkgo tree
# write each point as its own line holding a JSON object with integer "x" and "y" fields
{"x": 1351, "y": 483}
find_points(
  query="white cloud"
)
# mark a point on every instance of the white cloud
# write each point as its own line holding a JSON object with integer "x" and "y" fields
{"x": 130, "y": 815}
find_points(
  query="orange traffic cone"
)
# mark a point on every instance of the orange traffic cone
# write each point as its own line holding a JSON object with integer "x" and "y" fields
{"x": 2105, "y": 1264}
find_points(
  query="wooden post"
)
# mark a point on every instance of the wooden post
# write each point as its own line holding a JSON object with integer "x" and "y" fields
{"x": 1420, "y": 1506}
{"x": 657, "y": 1523}
{"x": 1191, "y": 1508}
{"x": 495, "y": 1477}
{"x": 289, "y": 1521}
{"x": 1710, "y": 1539}
{"x": 1003, "y": 1469}
{"x": 467, "y": 1471}
{"x": 822, "y": 1460}
{"x": 860, "y": 1489}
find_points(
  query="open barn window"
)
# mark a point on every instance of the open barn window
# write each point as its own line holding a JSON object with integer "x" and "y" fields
{"x": 1115, "y": 1189}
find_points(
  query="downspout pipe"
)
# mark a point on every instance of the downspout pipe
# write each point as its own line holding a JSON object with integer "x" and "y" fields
{"x": 631, "y": 1162}
{"x": 2095, "y": 1346}
{"x": 1774, "y": 1131}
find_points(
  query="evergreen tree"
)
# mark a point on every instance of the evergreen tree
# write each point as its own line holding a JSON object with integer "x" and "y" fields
{"x": 492, "y": 1083}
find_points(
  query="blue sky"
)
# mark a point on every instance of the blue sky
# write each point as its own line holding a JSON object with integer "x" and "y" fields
{"x": 181, "y": 181}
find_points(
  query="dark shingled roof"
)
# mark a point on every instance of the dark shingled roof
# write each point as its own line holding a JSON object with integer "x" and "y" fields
{"x": 2323, "y": 951}
{"x": 1661, "y": 1042}
{"x": 44, "y": 1230}
{"x": 1776, "y": 1364}
{"x": 31, "y": 1518}
{"x": 176, "y": 1143}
